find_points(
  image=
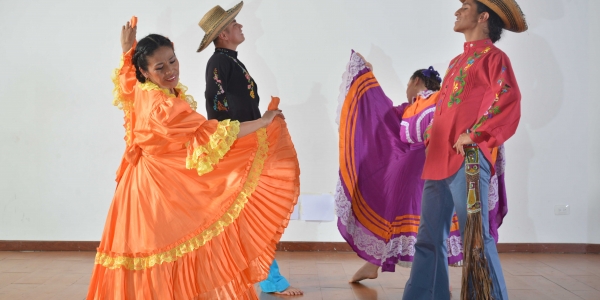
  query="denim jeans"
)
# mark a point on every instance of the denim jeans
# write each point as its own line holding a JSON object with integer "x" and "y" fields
{"x": 429, "y": 273}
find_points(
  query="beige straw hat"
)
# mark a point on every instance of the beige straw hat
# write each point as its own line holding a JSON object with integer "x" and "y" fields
{"x": 214, "y": 21}
{"x": 509, "y": 11}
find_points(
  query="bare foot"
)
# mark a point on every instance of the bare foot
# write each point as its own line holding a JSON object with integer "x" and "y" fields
{"x": 291, "y": 291}
{"x": 367, "y": 271}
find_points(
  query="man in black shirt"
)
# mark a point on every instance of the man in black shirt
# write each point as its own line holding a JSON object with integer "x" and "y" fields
{"x": 231, "y": 93}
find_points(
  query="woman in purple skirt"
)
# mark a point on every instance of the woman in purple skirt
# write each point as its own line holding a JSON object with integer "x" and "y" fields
{"x": 382, "y": 153}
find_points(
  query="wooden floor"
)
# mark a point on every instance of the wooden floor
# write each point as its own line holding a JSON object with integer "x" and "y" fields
{"x": 322, "y": 275}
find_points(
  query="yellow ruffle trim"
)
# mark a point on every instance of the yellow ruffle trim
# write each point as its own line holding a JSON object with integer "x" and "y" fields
{"x": 141, "y": 263}
{"x": 181, "y": 90}
{"x": 203, "y": 158}
{"x": 127, "y": 106}
{"x": 120, "y": 102}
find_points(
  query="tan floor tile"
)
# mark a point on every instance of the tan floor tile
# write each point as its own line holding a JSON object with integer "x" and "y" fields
{"x": 67, "y": 279}
{"x": 550, "y": 289}
{"x": 530, "y": 295}
{"x": 520, "y": 282}
{"x": 593, "y": 280}
{"x": 9, "y": 278}
{"x": 517, "y": 269}
{"x": 36, "y": 277}
{"x": 306, "y": 270}
{"x": 73, "y": 292}
{"x": 16, "y": 291}
{"x": 588, "y": 295}
{"x": 337, "y": 294}
{"x": 393, "y": 294}
{"x": 570, "y": 283}
{"x": 322, "y": 275}
{"x": 340, "y": 282}
{"x": 369, "y": 292}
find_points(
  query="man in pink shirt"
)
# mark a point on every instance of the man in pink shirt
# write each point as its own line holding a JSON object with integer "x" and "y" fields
{"x": 479, "y": 95}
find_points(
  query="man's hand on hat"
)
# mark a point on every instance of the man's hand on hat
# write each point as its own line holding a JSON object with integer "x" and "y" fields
{"x": 128, "y": 36}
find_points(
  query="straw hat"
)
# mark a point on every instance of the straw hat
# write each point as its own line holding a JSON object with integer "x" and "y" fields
{"x": 510, "y": 13}
{"x": 214, "y": 21}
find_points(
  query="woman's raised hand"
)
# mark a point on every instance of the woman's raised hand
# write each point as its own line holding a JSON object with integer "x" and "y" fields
{"x": 128, "y": 36}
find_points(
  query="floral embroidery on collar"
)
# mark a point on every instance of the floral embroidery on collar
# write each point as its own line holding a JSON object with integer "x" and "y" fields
{"x": 459, "y": 81}
{"x": 471, "y": 60}
{"x": 246, "y": 74}
{"x": 248, "y": 77}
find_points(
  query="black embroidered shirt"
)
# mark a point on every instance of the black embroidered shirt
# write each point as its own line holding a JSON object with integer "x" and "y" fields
{"x": 231, "y": 92}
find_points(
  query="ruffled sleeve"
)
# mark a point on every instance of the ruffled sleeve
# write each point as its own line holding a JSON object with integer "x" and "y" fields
{"x": 206, "y": 141}
{"x": 205, "y": 151}
{"x": 124, "y": 80}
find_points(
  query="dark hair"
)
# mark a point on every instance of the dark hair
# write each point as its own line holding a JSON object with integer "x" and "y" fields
{"x": 432, "y": 81}
{"x": 146, "y": 47}
{"x": 495, "y": 24}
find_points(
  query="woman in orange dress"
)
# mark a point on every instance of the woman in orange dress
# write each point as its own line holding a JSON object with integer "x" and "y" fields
{"x": 199, "y": 204}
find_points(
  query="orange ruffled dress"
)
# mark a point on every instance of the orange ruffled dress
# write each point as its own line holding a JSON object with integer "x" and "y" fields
{"x": 197, "y": 212}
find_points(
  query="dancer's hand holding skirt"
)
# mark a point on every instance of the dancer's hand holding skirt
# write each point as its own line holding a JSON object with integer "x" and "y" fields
{"x": 197, "y": 212}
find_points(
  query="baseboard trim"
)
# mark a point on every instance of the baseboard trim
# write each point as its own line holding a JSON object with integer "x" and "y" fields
{"x": 543, "y": 248}
{"x": 48, "y": 245}
{"x": 303, "y": 246}
{"x": 314, "y": 246}
{"x": 593, "y": 248}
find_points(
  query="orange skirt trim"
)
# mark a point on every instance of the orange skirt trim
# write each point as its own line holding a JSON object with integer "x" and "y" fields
{"x": 375, "y": 223}
{"x": 363, "y": 212}
{"x": 141, "y": 263}
{"x": 229, "y": 254}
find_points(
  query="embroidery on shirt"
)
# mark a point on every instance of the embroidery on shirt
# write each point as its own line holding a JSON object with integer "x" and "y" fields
{"x": 459, "y": 81}
{"x": 494, "y": 110}
{"x": 452, "y": 63}
{"x": 248, "y": 77}
{"x": 501, "y": 80}
{"x": 451, "y": 66}
{"x": 471, "y": 60}
{"x": 420, "y": 119}
{"x": 427, "y": 133}
{"x": 219, "y": 105}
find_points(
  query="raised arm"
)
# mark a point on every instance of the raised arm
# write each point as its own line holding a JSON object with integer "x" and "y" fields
{"x": 124, "y": 76}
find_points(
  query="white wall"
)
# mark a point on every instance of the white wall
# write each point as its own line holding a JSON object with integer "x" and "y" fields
{"x": 593, "y": 102}
{"x": 60, "y": 137}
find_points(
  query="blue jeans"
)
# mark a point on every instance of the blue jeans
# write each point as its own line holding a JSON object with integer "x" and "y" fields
{"x": 275, "y": 283}
{"x": 429, "y": 273}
